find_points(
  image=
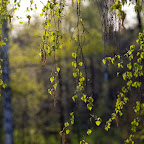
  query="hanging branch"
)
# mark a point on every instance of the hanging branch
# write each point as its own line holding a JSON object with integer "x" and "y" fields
{"x": 52, "y": 12}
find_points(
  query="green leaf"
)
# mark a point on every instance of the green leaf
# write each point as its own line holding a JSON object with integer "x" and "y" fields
{"x": 97, "y": 122}
{"x": 132, "y": 47}
{"x": 74, "y": 64}
{"x": 21, "y": 22}
{"x": 118, "y": 56}
{"x": 49, "y": 91}
{"x": 124, "y": 76}
{"x": 80, "y": 63}
{"x": 124, "y": 90}
{"x": 112, "y": 60}
{"x": 90, "y": 100}
{"x": 74, "y": 97}
{"x": 67, "y": 131}
{"x": 66, "y": 124}
{"x": 55, "y": 86}
{"x": 104, "y": 61}
{"x": 52, "y": 79}
{"x": 127, "y": 141}
{"x": 53, "y": 33}
{"x": 58, "y": 69}
{"x": 60, "y": 133}
{"x": 89, "y": 106}
{"x": 49, "y": 52}
{"x": 131, "y": 57}
{"x": 80, "y": 74}
{"x": 89, "y": 131}
{"x": 82, "y": 79}
{"x": 60, "y": 46}
{"x": 129, "y": 66}
{"x": 75, "y": 74}
{"x": 137, "y": 41}
{"x": 72, "y": 118}
{"x": 83, "y": 98}
{"x": 108, "y": 58}
{"x": 72, "y": 113}
{"x": 120, "y": 65}
{"x": 74, "y": 55}
{"x": 4, "y": 86}
{"x": 142, "y": 55}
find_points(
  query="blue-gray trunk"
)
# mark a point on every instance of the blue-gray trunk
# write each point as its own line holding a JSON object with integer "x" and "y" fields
{"x": 6, "y": 92}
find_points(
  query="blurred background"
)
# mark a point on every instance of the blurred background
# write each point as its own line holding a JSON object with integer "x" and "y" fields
{"x": 36, "y": 120}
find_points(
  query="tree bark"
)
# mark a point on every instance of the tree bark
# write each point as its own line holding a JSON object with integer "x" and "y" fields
{"x": 6, "y": 92}
{"x": 139, "y": 19}
{"x": 60, "y": 102}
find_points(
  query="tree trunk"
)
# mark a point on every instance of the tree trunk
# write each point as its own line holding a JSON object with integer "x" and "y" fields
{"x": 105, "y": 23}
{"x": 60, "y": 101}
{"x": 139, "y": 19}
{"x": 6, "y": 92}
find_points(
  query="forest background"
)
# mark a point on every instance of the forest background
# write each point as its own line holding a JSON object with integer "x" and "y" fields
{"x": 36, "y": 117}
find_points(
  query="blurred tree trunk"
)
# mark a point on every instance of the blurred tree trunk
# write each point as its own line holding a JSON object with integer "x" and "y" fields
{"x": 66, "y": 98}
{"x": 103, "y": 6}
{"x": 60, "y": 102}
{"x": 1, "y": 123}
{"x": 92, "y": 77}
{"x": 105, "y": 25}
{"x": 139, "y": 19}
{"x": 6, "y": 92}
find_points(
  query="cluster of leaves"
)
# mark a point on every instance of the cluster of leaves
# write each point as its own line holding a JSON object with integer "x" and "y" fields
{"x": 53, "y": 79}
{"x": 77, "y": 73}
{"x": 4, "y": 15}
{"x": 52, "y": 12}
{"x": 121, "y": 14}
{"x": 78, "y": 65}
{"x": 67, "y": 125}
{"x": 2, "y": 84}
{"x": 133, "y": 77}
{"x": 118, "y": 4}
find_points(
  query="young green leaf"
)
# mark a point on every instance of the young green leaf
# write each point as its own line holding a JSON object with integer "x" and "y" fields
{"x": 58, "y": 69}
{"x": 74, "y": 55}
{"x": 89, "y": 131}
{"x": 67, "y": 131}
{"x": 97, "y": 122}
{"x": 66, "y": 124}
{"x": 51, "y": 79}
{"x": 104, "y": 61}
{"x": 80, "y": 63}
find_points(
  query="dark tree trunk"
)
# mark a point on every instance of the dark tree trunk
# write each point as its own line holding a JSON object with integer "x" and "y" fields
{"x": 60, "y": 102}
{"x": 139, "y": 19}
{"x": 6, "y": 92}
{"x": 105, "y": 23}
{"x": 66, "y": 97}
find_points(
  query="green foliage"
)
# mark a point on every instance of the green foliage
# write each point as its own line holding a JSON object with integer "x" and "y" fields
{"x": 89, "y": 131}
{"x": 132, "y": 78}
{"x": 118, "y": 8}
{"x": 98, "y": 122}
{"x": 53, "y": 40}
